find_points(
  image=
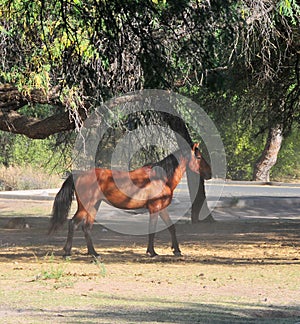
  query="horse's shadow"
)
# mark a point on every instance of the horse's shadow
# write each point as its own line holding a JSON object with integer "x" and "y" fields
{"x": 33, "y": 243}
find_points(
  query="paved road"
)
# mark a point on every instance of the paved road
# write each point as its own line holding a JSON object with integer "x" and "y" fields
{"x": 215, "y": 190}
{"x": 248, "y": 189}
{"x": 229, "y": 201}
{"x": 223, "y": 193}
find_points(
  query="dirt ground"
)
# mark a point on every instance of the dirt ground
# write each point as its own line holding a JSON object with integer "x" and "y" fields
{"x": 231, "y": 272}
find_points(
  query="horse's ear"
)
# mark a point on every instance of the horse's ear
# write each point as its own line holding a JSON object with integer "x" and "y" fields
{"x": 195, "y": 147}
{"x": 196, "y": 151}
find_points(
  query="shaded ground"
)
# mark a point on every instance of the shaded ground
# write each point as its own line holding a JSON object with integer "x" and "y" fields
{"x": 233, "y": 271}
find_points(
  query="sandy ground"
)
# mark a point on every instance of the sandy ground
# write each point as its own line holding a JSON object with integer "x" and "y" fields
{"x": 231, "y": 271}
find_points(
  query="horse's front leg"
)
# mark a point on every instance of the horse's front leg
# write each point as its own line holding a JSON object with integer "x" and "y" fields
{"x": 171, "y": 227}
{"x": 152, "y": 229}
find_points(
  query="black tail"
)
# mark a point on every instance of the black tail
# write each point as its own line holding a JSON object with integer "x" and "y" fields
{"x": 62, "y": 204}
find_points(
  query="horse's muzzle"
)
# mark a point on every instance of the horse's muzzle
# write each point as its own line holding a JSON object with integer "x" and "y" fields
{"x": 206, "y": 175}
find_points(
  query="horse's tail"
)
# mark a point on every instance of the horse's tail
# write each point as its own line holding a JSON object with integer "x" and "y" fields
{"x": 62, "y": 204}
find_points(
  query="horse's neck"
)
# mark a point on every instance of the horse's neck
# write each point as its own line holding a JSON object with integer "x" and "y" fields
{"x": 178, "y": 172}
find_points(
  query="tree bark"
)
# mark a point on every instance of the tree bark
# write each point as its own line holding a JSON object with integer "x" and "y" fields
{"x": 199, "y": 211}
{"x": 13, "y": 99}
{"x": 268, "y": 157}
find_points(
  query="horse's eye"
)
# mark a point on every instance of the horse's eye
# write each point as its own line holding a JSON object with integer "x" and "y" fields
{"x": 197, "y": 155}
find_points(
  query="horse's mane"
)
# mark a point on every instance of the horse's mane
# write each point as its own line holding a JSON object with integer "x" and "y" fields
{"x": 167, "y": 166}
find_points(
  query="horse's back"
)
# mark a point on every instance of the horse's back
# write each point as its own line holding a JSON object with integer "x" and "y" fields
{"x": 124, "y": 189}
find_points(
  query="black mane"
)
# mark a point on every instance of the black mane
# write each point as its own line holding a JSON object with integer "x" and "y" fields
{"x": 167, "y": 166}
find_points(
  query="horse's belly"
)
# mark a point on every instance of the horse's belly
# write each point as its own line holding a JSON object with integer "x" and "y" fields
{"x": 155, "y": 196}
{"x": 125, "y": 202}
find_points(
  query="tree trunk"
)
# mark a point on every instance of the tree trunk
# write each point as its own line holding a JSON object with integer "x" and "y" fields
{"x": 268, "y": 157}
{"x": 200, "y": 211}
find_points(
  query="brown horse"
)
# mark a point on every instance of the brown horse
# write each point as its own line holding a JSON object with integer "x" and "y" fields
{"x": 150, "y": 186}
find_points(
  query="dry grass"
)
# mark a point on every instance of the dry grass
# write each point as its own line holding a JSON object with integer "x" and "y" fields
{"x": 23, "y": 178}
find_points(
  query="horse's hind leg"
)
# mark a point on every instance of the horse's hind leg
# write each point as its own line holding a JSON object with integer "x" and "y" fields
{"x": 152, "y": 229}
{"x": 73, "y": 224}
{"x": 171, "y": 227}
{"x": 78, "y": 217}
{"x": 86, "y": 227}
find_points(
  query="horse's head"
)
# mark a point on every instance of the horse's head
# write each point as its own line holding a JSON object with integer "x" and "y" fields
{"x": 198, "y": 164}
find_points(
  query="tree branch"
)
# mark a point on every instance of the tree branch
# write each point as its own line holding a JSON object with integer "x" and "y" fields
{"x": 11, "y": 100}
{"x": 14, "y": 122}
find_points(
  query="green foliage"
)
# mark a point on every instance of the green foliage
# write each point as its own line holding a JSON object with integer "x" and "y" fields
{"x": 6, "y": 143}
{"x": 31, "y": 164}
{"x": 243, "y": 135}
{"x": 242, "y": 151}
{"x": 287, "y": 167}
{"x": 37, "y": 153}
{"x": 53, "y": 273}
{"x": 290, "y": 9}
{"x": 100, "y": 266}
{"x": 39, "y": 38}
{"x": 243, "y": 146}
{"x": 107, "y": 47}
{"x": 241, "y": 142}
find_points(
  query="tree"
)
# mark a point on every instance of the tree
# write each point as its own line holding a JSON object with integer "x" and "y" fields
{"x": 12, "y": 100}
{"x": 268, "y": 157}
{"x": 271, "y": 52}
{"x": 73, "y": 55}
{"x": 261, "y": 82}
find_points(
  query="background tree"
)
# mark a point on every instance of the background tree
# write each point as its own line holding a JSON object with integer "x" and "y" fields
{"x": 275, "y": 25}
{"x": 260, "y": 85}
{"x": 70, "y": 56}
{"x": 75, "y": 55}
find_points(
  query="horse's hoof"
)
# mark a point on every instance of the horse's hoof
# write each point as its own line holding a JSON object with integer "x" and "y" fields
{"x": 152, "y": 254}
{"x": 177, "y": 253}
{"x": 67, "y": 256}
{"x": 96, "y": 256}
